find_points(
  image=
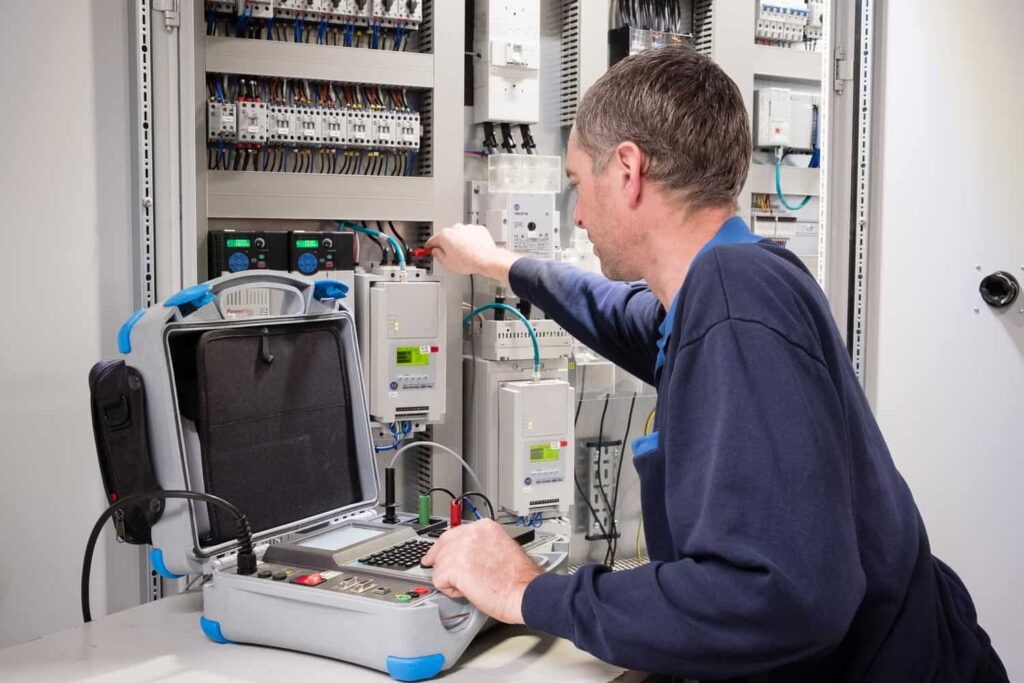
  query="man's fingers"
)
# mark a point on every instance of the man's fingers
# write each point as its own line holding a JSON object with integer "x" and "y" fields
{"x": 428, "y": 559}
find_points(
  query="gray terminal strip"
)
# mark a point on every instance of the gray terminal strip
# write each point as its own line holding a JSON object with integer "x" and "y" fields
{"x": 271, "y": 413}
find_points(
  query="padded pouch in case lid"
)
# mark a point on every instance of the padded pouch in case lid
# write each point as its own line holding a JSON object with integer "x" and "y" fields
{"x": 275, "y": 424}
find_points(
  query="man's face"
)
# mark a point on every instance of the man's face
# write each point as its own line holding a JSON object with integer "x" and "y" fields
{"x": 601, "y": 210}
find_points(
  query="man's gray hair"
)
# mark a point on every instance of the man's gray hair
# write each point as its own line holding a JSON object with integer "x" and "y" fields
{"x": 683, "y": 112}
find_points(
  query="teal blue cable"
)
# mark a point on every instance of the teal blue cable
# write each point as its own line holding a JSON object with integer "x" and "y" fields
{"x": 392, "y": 242}
{"x": 778, "y": 188}
{"x": 529, "y": 328}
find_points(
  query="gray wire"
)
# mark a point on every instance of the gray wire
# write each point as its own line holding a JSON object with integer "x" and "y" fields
{"x": 434, "y": 444}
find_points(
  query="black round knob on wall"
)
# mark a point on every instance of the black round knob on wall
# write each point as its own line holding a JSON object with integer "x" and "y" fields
{"x": 1000, "y": 289}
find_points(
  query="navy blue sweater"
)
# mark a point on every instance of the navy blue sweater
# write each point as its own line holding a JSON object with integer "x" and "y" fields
{"x": 784, "y": 544}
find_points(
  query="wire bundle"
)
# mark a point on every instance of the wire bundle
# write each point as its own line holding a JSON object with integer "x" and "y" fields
{"x": 653, "y": 15}
{"x": 320, "y": 31}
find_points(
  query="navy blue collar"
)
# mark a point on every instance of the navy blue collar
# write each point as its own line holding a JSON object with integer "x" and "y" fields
{"x": 733, "y": 231}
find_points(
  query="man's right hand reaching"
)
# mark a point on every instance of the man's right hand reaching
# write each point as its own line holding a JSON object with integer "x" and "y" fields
{"x": 469, "y": 250}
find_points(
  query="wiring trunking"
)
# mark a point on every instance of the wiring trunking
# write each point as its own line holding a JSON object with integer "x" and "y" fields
{"x": 597, "y": 462}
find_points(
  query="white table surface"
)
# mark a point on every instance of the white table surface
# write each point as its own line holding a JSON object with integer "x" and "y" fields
{"x": 161, "y": 641}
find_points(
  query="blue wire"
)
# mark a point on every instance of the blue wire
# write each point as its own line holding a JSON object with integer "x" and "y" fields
{"x": 298, "y": 30}
{"x": 472, "y": 508}
{"x": 243, "y": 20}
{"x": 392, "y": 242}
{"x": 398, "y": 38}
{"x": 270, "y": 28}
{"x": 219, "y": 91}
{"x": 778, "y": 189}
{"x": 505, "y": 307}
{"x": 411, "y": 165}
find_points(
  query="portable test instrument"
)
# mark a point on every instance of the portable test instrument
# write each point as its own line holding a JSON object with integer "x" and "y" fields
{"x": 270, "y": 413}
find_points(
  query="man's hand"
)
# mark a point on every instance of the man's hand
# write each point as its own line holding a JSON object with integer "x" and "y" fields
{"x": 469, "y": 250}
{"x": 479, "y": 561}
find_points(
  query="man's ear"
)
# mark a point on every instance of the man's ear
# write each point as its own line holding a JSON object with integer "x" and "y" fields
{"x": 628, "y": 161}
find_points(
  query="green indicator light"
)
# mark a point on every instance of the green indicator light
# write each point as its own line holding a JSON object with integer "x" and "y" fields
{"x": 402, "y": 597}
{"x": 239, "y": 243}
{"x": 307, "y": 244}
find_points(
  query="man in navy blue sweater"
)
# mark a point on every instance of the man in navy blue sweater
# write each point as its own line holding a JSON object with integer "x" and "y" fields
{"x": 784, "y": 544}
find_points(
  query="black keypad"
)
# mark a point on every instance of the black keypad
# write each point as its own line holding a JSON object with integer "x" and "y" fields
{"x": 401, "y": 556}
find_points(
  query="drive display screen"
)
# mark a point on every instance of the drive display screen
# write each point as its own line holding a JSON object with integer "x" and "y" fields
{"x": 542, "y": 451}
{"x": 239, "y": 243}
{"x": 307, "y": 244}
{"x": 411, "y": 355}
{"x": 340, "y": 538}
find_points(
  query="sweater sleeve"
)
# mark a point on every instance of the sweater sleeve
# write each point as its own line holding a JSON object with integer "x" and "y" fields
{"x": 615, "y": 319}
{"x": 757, "y": 498}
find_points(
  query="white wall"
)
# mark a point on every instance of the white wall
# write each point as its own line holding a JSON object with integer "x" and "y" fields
{"x": 65, "y": 273}
{"x": 948, "y": 382}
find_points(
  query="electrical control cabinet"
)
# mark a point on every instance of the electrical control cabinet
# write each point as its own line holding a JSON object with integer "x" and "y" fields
{"x": 506, "y": 82}
{"x": 401, "y": 321}
{"x": 536, "y": 446}
{"x": 784, "y": 118}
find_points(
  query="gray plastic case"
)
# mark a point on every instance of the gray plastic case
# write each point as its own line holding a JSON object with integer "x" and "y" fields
{"x": 145, "y": 341}
{"x": 410, "y": 641}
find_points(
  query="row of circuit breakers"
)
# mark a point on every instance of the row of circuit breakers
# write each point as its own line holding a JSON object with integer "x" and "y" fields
{"x": 389, "y": 13}
{"x": 262, "y": 123}
{"x": 400, "y": 314}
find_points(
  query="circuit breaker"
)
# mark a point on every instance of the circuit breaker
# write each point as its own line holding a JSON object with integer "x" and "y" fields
{"x": 401, "y": 320}
{"x": 517, "y": 203}
{"x": 506, "y": 85}
{"x": 785, "y": 118}
{"x": 781, "y": 21}
{"x": 536, "y": 446}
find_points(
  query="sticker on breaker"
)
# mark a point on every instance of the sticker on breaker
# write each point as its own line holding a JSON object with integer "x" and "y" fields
{"x": 539, "y": 247}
